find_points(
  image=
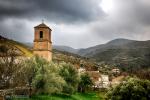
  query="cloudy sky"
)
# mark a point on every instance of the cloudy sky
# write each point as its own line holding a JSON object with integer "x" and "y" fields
{"x": 76, "y": 23}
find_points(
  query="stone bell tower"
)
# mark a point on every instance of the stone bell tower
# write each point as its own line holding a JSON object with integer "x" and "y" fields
{"x": 42, "y": 41}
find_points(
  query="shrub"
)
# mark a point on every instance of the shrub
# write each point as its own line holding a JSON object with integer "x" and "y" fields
{"x": 131, "y": 89}
{"x": 47, "y": 79}
{"x": 71, "y": 77}
{"x": 85, "y": 82}
{"x": 42, "y": 75}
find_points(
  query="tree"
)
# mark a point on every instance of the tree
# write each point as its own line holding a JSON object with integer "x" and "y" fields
{"x": 132, "y": 89}
{"x": 9, "y": 66}
{"x": 48, "y": 79}
{"x": 27, "y": 72}
{"x": 43, "y": 75}
{"x": 85, "y": 82}
{"x": 71, "y": 77}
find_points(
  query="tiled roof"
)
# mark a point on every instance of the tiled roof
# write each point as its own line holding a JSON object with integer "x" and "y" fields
{"x": 42, "y": 25}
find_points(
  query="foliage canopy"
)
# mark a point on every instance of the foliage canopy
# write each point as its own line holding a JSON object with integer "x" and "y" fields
{"x": 131, "y": 89}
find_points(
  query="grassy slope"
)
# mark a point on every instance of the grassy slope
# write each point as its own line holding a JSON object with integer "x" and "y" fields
{"x": 77, "y": 96}
{"x": 24, "y": 49}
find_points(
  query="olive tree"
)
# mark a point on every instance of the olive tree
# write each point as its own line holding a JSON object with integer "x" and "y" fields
{"x": 69, "y": 73}
{"x": 85, "y": 82}
{"x": 131, "y": 89}
{"x": 47, "y": 79}
{"x": 42, "y": 75}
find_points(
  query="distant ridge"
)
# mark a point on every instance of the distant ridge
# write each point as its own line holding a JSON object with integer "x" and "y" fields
{"x": 118, "y": 52}
{"x": 121, "y": 52}
{"x": 65, "y": 48}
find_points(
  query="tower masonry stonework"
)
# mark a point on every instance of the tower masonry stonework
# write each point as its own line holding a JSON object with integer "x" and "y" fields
{"x": 42, "y": 41}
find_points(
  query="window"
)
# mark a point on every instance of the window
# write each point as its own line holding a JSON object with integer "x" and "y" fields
{"x": 41, "y": 34}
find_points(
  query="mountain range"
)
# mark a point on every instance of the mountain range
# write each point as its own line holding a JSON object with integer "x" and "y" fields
{"x": 9, "y": 48}
{"x": 120, "y": 52}
{"x": 123, "y": 53}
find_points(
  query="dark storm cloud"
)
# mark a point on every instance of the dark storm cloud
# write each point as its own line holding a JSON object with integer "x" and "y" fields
{"x": 14, "y": 8}
{"x": 76, "y": 21}
{"x": 53, "y": 10}
{"x": 134, "y": 11}
{"x": 17, "y": 29}
{"x": 15, "y": 14}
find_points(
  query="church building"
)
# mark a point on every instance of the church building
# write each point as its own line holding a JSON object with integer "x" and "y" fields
{"x": 42, "y": 41}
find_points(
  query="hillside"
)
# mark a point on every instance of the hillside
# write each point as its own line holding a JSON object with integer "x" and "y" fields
{"x": 65, "y": 48}
{"x": 15, "y": 47}
{"x": 88, "y": 52}
{"x": 58, "y": 56}
{"x": 121, "y": 52}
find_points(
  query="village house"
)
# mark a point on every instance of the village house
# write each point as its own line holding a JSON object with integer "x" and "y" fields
{"x": 104, "y": 80}
{"x": 116, "y": 70}
{"x": 99, "y": 80}
{"x": 95, "y": 76}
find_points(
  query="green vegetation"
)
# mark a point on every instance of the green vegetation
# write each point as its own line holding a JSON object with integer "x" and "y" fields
{"x": 43, "y": 75}
{"x": 58, "y": 56}
{"x": 77, "y": 96}
{"x": 60, "y": 80}
{"x": 85, "y": 82}
{"x": 131, "y": 89}
{"x": 78, "y": 61}
{"x": 69, "y": 73}
{"x": 48, "y": 78}
{"x": 128, "y": 55}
